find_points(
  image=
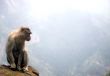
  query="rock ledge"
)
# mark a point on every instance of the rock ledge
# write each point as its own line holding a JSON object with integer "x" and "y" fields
{"x": 6, "y": 71}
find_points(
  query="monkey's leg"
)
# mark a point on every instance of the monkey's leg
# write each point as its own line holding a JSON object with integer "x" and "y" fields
{"x": 10, "y": 60}
{"x": 25, "y": 61}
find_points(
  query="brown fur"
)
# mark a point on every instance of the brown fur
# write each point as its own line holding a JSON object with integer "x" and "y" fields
{"x": 16, "y": 54}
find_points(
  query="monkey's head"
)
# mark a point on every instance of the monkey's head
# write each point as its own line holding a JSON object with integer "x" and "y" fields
{"x": 26, "y": 32}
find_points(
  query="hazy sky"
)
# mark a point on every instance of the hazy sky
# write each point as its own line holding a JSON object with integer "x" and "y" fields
{"x": 43, "y": 8}
{"x": 65, "y": 32}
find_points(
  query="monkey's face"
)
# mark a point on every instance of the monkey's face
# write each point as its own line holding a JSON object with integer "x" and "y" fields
{"x": 28, "y": 37}
{"x": 27, "y": 33}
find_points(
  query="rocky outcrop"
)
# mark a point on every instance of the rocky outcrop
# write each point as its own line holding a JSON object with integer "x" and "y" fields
{"x": 6, "y": 71}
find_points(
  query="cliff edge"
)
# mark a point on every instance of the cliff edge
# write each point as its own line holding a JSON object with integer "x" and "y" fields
{"x": 6, "y": 71}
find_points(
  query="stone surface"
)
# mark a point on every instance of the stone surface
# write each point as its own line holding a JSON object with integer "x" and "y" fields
{"x": 6, "y": 71}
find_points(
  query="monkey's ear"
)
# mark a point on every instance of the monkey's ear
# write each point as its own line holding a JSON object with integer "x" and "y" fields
{"x": 22, "y": 29}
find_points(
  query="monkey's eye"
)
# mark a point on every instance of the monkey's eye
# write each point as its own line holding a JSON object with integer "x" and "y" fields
{"x": 28, "y": 32}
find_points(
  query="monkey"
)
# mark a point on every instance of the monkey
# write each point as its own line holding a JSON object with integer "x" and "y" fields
{"x": 16, "y": 54}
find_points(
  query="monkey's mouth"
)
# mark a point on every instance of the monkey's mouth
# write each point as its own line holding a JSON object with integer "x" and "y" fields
{"x": 28, "y": 38}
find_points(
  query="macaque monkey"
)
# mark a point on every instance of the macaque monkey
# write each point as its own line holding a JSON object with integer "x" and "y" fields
{"x": 16, "y": 54}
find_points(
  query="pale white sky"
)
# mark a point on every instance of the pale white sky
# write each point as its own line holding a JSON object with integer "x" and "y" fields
{"x": 42, "y": 8}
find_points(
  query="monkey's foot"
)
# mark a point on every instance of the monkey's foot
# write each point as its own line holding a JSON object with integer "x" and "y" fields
{"x": 12, "y": 65}
{"x": 25, "y": 69}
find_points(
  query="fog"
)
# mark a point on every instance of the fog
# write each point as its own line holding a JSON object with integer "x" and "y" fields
{"x": 69, "y": 37}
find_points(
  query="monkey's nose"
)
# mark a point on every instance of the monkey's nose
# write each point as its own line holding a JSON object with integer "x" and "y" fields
{"x": 29, "y": 32}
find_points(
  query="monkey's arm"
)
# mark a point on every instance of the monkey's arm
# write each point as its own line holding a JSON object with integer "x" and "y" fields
{"x": 20, "y": 57}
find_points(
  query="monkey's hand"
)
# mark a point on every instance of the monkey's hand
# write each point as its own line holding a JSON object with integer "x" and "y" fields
{"x": 13, "y": 65}
{"x": 19, "y": 68}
